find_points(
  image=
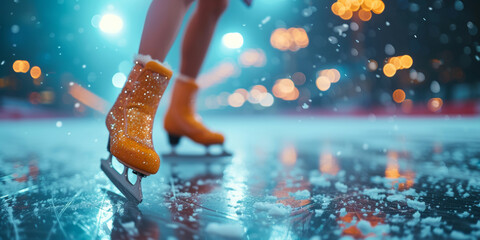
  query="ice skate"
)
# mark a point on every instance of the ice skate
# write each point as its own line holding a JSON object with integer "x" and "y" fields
{"x": 130, "y": 123}
{"x": 181, "y": 121}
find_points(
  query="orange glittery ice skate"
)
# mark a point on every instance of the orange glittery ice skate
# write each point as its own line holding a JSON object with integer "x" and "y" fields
{"x": 181, "y": 119}
{"x": 130, "y": 123}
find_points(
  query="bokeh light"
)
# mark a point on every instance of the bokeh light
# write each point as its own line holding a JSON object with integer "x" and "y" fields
{"x": 346, "y": 8}
{"x": 435, "y": 104}
{"x": 398, "y": 96}
{"x": 389, "y": 70}
{"x": 299, "y": 78}
{"x": 406, "y": 61}
{"x": 236, "y": 100}
{"x": 253, "y": 58}
{"x": 323, "y": 83}
{"x": 35, "y": 72}
{"x": 232, "y": 40}
{"x": 111, "y": 23}
{"x": 119, "y": 79}
{"x": 291, "y": 39}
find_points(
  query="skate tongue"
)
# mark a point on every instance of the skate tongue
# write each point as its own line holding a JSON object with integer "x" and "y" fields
{"x": 133, "y": 192}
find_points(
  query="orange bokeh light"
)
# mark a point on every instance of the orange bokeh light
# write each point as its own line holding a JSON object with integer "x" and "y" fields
{"x": 289, "y": 39}
{"x": 435, "y": 104}
{"x": 389, "y": 70}
{"x": 289, "y": 155}
{"x": 379, "y": 7}
{"x": 323, "y": 83}
{"x": 396, "y": 62}
{"x": 338, "y": 8}
{"x": 406, "y": 61}
{"x": 35, "y": 72}
{"x": 21, "y": 66}
{"x": 398, "y": 96}
{"x": 364, "y": 15}
{"x": 328, "y": 164}
{"x": 346, "y": 8}
{"x": 347, "y": 14}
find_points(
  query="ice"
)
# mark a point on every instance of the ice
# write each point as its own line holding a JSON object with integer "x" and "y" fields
{"x": 420, "y": 206}
{"x": 244, "y": 192}
{"x": 229, "y": 230}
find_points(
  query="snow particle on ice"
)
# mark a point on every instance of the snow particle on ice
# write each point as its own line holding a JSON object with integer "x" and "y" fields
{"x": 59, "y": 124}
{"x": 374, "y": 193}
{"x": 300, "y": 195}
{"x": 459, "y": 235}
{"x": 420, "y": 206}
{"x": 432, "y": 220}
{"x": 464, "y": 214}
{"x": 396, "y": 197}
{"x": 273, "y": 209}
{"x": 320, "y": 181}
{"x": 229, "y": 230}
{"x": 319, "y": 212}
{"x": 341, "y": 187}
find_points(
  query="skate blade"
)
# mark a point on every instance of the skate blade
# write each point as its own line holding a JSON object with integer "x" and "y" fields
{"x": 132, "y": 192}
{"x": 207, "y": 158}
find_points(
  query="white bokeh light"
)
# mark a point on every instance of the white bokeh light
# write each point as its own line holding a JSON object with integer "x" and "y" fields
{"x": 111, "y": 23}
{"x": 232, "y": 40}
{"x": 119, "y": 79}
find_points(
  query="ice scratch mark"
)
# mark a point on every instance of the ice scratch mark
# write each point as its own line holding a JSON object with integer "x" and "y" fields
{"x": 70, "y": 202}
{"x": 10, "y": 216}
{"x": 99, "y": 216}
{"x": 61, "y": 213}
{"x": 58, "y": 221}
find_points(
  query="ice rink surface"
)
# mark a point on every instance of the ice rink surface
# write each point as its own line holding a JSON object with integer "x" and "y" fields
{"x": 289, "y": 178}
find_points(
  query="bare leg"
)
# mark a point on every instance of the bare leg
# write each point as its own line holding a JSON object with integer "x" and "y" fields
{"x": 161, "y": 27}
{"x": 199, "y": 34}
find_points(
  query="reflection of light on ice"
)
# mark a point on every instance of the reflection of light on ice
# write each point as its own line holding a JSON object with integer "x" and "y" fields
{"x": 235, "y": 177}
{"x": 289, "y": 155}
{"x": 104, "y": 218}
{"x": 392, "y": 172}
{"x": 328, "y": 164}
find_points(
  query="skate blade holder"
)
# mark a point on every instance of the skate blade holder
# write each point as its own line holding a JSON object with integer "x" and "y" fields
{"x": 133, "y": 192}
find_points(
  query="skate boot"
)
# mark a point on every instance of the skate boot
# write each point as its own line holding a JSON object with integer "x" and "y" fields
{"x": 181, "y": 120}
{"x": 130, "y": 123}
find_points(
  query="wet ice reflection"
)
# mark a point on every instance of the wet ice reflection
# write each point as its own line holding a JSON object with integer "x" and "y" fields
{"x": 328, "y": 187}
